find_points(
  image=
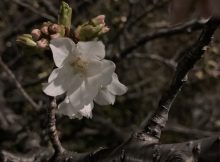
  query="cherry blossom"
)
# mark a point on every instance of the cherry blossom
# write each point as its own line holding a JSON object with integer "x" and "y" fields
{"x": 81, "y": 70}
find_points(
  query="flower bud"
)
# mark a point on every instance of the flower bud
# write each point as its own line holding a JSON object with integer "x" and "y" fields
{"x": 36, "y": 34}
{"x": 65, "y": 15}
{"x": 54, "y": 28}
{"x": 26, "y": 39}
{"x": 42, "y": 43}
{"x": 87, "y": 32}
{"x": 99, "y": 20}
{"x": 92, "y": 29}
{"x": 44, "y": 30}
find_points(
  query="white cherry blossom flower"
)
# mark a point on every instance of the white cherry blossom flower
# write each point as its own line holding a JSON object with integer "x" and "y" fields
{"x": 106, "y": 94}
{"x": 81, "y": 71}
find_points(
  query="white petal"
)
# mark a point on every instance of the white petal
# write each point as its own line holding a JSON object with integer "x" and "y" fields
{"x": 101, "y": 70}
{"x": 92, "y": 85}
{"x": 116, "y": 87}
{"x": 87, "y": 110}
{"x": 104, "y": 97}
{"x": 65, "y": 108}
{"x": 84, "y": 94}
{"x": 92, "y": 49}
{"x": 62, "y": 79}
{"x": 76, "y": 96}
{"x": 61, "y": 49}
{"x": 108, "y": 67}
{"x": 53, "y": 74}
{"x": 52, "y": 89}
{"x": 94, "y": 67}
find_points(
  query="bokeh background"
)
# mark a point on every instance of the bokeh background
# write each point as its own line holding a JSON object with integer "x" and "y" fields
{"x": 146, "y": 70}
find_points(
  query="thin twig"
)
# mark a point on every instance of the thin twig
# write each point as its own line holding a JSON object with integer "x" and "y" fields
{"x": 36, "y": 11}
{"x": 129, "y": 24}
{"x": 18, "y": 85}
{"x": 155, "y": 57}
{"x": 148, "y": 10}
{"x": 50, "y": 7}
{"x": 185, "y": 28}
{"x": 52, "y": 128}
{"x": 29, "y": 84}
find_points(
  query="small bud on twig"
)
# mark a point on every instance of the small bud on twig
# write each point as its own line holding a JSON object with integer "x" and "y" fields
{"x": 92, "y": 29}
{"x": 44, "y": 30}
{"x": 42, "y": 43}
{"x": 36, "y": 34}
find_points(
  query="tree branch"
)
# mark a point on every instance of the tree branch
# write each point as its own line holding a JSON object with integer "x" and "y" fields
{"x": 186, "y": 63}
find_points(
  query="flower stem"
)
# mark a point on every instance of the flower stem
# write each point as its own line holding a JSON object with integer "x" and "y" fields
{"x": 52, "y": 128}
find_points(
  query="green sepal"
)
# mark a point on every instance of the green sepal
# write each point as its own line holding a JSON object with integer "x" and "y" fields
{"x": 26, "y": 40}
{"x": 87, "y": 32}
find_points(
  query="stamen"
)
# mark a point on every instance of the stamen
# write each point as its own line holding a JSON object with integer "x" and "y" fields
{"x": 79, "y": 64}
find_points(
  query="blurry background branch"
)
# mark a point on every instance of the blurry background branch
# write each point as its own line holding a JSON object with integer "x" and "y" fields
{"x": 18, "y": 85}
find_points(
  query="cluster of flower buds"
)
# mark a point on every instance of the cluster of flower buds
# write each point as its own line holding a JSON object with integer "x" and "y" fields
{"x": 92, "y": 29}
{"x": 40, "y": 37}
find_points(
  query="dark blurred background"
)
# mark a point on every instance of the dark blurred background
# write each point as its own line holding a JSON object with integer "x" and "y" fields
{"x": 146, "y": 70}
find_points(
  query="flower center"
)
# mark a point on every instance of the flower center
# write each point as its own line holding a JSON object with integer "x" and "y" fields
{"x": 79, "y": 64}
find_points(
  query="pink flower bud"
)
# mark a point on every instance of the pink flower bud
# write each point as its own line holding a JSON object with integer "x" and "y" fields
{"x": 42, "y": 43}
{"x": 36, "y": 34}
{"x": 44, "y": 30}
{"x": 101, "y": 19}
{"x": 54, "y": 28}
